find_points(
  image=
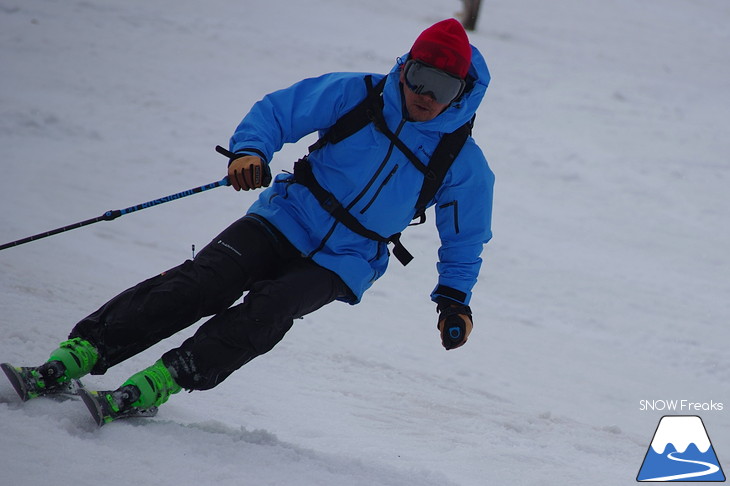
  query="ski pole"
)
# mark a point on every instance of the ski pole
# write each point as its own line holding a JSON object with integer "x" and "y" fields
{"x": 114, "y": 214}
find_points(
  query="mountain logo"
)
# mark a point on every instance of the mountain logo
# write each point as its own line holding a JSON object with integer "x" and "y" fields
{"x": 680, "y": 451}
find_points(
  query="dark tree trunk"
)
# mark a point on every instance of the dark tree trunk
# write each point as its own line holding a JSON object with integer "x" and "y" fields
{"x": 470, "y": 14}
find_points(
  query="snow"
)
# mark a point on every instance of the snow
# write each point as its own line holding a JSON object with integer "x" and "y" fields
{"x": 606, "y": 282}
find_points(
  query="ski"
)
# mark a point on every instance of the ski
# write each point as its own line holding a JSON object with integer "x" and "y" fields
{"x": 28, "y": 384}
{"x": 104, "y": 406}
{"x": 109, "y": 406}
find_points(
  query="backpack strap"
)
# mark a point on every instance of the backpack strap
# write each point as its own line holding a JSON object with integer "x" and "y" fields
{"x": 357, "y": 118}
{"x": 370, "y": 110}
{"x": 443, "y": 156}
{"x": 303, "y": 175}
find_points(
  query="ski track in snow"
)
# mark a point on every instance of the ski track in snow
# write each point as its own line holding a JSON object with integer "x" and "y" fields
{"x": 711, "y": 469}
{"x": 606, "y": 282}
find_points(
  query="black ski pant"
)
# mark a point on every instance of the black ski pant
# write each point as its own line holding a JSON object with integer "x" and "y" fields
{"x": 250, "y": 255}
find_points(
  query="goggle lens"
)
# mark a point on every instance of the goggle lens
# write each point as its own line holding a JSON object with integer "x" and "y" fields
{"x": 428, "y": 80}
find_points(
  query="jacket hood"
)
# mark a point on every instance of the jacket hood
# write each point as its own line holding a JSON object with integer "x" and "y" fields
{"x": 461, "y": 110}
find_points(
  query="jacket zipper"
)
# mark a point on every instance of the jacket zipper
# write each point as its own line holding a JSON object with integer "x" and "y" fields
{"x": 363, "y": 192}
{"x": 380, "y": 188}
{"x": 454, "y": 203}
{"x": 372, "y": 180}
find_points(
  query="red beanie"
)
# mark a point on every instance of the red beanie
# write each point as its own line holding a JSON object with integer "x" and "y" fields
{"x": 444, "y": 45}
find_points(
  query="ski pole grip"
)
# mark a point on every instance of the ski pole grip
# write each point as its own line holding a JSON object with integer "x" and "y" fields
{"x": 265, "y": 180}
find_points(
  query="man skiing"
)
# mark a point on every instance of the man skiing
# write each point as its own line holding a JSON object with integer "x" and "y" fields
{"x": 315, "y": 236}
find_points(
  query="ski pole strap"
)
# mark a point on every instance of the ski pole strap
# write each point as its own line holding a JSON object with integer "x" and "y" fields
{"x": 303, "y": 175}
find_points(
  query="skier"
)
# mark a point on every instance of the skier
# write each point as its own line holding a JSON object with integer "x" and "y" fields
{"x": 312, "y": 237}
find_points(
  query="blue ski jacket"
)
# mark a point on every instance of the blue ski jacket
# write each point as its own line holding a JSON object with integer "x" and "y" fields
{"x": 372, "y": 178}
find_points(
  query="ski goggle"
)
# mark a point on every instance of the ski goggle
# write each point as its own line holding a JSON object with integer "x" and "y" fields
{"x": 428, "y": 80}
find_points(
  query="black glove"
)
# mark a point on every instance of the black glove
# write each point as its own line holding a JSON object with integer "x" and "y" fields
{"x": 454, "y": 323}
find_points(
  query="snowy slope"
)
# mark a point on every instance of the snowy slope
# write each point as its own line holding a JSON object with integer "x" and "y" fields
{"x": 606, "y": 282}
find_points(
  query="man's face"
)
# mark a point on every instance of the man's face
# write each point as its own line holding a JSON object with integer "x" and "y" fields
{"x": 420, "y": 107}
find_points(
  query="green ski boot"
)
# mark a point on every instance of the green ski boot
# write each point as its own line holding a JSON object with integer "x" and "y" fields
{"x": 139, "y": 396}
{"x": 72, "y": 360}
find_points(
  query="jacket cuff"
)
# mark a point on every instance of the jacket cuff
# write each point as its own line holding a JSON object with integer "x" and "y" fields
{"x": 445, "y": 293}
{"x": 248, "y": 151}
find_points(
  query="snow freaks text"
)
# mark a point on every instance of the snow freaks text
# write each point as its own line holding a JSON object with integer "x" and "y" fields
{"x": 682, "y": 406}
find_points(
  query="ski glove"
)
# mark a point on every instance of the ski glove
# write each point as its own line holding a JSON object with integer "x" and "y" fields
{"x": 454, "y": 323}
{"x": 247, "y": 172}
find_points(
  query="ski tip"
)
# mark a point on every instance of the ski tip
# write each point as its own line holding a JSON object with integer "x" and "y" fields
{"x": 12, "y": 373}
{"x": 103, "y": 413}
{"x": 92, "y": 404}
